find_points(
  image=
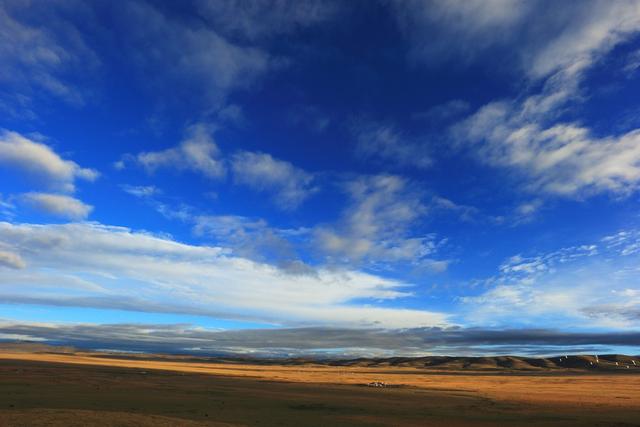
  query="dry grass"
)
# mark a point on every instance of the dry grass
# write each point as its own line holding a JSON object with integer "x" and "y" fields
{"x": 550, "y": 389}
{"x": 42, "y": 389}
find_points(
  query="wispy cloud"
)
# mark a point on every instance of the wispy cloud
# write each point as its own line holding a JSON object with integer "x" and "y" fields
{"x": 255, "y": 239}
{"x": 465, "y": 212}
{"x": 625, "y": 242}
{"x": 39, "y": 48}
{"x": 257, "y": 21}
{"x": 191, "y": 55}
{"x": 373, "y": 230}
{"x": 537, "y": 40}
{"x": 251, "y": 238}
{"x": 204, "y": 55}
{"x": 387, "y": 146}
{"x": 443, "y": 30}
{"x": 564, "y": 287}
{"x": 377, "y": 224}
{"x": 7, "y": 208}
{"x": 290, "y": 185}
{"x": 141, "y": 191}
{"x": 632, "y": 63}
{"x": 217, "y": 49}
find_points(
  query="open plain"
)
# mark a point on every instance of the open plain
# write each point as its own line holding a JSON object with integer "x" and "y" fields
{"x": 75, "y": 389}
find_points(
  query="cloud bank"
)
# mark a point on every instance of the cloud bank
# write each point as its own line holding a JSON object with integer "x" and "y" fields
{"x": 333, "y": 342}
{"x": 93, "y": 265}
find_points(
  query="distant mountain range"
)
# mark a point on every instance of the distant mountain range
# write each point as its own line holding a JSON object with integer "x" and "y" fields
{"x": 617, "y": 362}
{"x": 606, "y": 362}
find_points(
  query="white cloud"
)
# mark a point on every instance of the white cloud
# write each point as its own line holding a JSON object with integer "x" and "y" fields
{"x": 196, "y": 153}
{"x": 552, "y": 48}
{"x": 57, "y": 204}
{"x": 526, "y": 136}
{"x": 593, "y": 29}
{"x": 141, "y": 191}
{"x": 563, "y": 159}
{"x": 261, "y": 171}
{"x": 37, "y": 160}
{"x": 137, "y": 271}
{"x": 387, "y": 146}
{"x": 377, "y": 225}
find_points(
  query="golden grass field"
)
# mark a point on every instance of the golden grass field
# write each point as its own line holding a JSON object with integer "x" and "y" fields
{"x": 93, "y": 389}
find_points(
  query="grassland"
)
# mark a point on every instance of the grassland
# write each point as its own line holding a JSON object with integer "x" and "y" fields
{"x": 76, "y": 389}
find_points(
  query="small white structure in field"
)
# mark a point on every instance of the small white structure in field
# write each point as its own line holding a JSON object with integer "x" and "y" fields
{"x": 597, "y": 361}
{"x": 377, "y": 384}
{"x": 617, "y": 364}
{"x": 634, "y": 362}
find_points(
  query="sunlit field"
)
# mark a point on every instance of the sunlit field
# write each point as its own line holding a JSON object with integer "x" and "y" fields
{"x": 88, "y": 388}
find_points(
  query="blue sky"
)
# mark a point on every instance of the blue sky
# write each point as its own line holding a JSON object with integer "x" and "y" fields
{"x": 459, "y": 175}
